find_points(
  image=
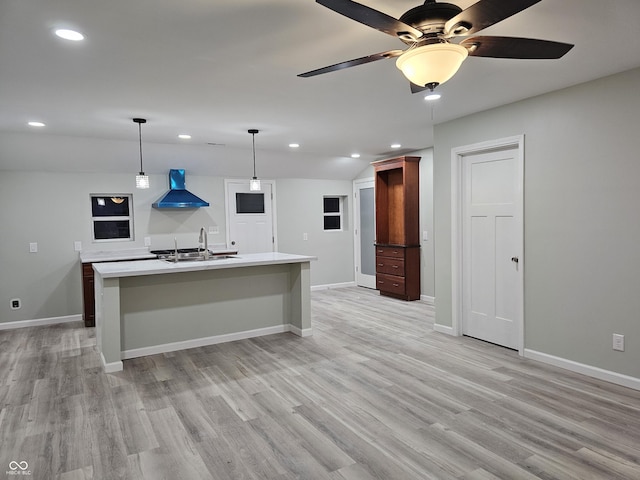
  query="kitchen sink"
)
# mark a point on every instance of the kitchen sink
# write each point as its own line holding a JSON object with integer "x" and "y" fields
{"x": 195, "y": 257}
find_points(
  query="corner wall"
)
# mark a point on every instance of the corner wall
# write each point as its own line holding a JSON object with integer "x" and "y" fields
{"x": 581, "y": 260}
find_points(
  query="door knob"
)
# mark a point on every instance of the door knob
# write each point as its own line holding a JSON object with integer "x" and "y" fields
{"x": 514, "y": 259}
{"x": 234, "y": 242}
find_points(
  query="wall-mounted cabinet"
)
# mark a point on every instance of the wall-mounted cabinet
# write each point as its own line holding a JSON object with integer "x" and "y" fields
{"x": 397, "y": 193}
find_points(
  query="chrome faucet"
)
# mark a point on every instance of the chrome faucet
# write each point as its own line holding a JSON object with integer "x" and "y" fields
{"x": 201, "y": 239}
{"x": 175, "y": 247}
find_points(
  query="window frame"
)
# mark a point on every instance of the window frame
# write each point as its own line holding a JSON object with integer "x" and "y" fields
{"x": 114, "y": 218}
{"x": 339, "y": 214}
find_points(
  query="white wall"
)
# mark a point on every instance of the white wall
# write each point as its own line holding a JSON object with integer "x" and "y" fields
{"x": 53, "y": 210}
{"x": 581, "y": 228}
{"x": 300, "y": 210}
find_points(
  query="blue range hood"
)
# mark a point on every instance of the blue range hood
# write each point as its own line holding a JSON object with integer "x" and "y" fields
{"x": 178, "y": 196}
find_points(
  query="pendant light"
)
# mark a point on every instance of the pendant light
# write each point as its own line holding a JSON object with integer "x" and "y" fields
{"x": 142, "y": 180}
{"x": 254, "y": 183}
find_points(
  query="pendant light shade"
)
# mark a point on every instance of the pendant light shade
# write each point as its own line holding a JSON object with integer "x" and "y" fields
{"x": 142, "y": 180}
{"x": 433, "y": 64}
{"x": 254, "y": 183}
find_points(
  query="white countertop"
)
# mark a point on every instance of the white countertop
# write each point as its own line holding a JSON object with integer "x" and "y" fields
{"x": 115, "y": 255}
{"x": 155, "y": 267}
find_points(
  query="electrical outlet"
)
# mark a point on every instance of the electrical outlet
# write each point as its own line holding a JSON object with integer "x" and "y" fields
{"x": 214, "y": 230}
{"x": 33, "y": 247}
{"x": 77, "y": 246}
{"x": 305, "y": 236}
{"x": 16, "y": 303}
{"x": 618, "y": 342}
{"x": 147, "y": 241}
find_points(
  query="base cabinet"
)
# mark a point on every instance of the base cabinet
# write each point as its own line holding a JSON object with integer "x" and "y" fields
{"x": 88, "y": 296}
{"x": 397, "y": 227}
{"x": 398, "y": 271}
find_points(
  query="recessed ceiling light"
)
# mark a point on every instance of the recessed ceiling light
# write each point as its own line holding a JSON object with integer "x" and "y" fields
{"x": 69, "y": 34}
{"x": 294, "y": 145}
{"x": 395, "y": 145}
{"x": 35, "y": 124}
{"x": 355, "y": 155}
{"x": 184, "y": 136}
{"x": 431, "y": 96}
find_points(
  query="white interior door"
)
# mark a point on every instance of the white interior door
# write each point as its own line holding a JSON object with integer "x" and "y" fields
{"x": 365, "y": 233}
{"x": 491, "y": 243}
{"x": 250, "y": 217}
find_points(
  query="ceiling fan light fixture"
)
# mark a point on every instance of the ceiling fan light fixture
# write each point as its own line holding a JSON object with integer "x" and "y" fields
{"x": 432, "y": 64}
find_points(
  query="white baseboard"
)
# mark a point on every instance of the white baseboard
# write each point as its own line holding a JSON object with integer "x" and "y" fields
{"x": 428, "y": 300}
{"x": 202, "y": 342}
{"x": 443, "y": 329}
{"x": 301, "y": 332}
{"x": 40, "y": 321}
{"x": 333, "y": 285}
{"x": 111, "y": 367}
{"x": 595, "y": 372}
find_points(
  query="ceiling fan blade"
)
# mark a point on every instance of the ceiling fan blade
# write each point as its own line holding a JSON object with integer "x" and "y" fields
{"x": 353, "y": 63}
{"x": 515, "y": 47}
{"x": 372, "y": 18}
{"x": 483, "y": 14}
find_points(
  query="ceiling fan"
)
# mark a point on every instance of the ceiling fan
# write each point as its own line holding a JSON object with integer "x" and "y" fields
{"x": 429, "y": 30}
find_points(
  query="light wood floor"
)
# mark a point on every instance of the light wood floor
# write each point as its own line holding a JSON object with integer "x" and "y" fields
{"x": 373, "y": 394}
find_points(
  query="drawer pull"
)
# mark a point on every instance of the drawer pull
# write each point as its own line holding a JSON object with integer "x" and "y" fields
{"x": 381, "y": 264}
{"x": 394, "y": 266}
{"x": 395, "y": 285}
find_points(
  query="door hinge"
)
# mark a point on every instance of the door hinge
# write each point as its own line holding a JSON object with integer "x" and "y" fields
{"x": 273, "y": 239}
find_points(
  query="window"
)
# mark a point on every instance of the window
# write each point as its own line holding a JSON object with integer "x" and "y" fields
{"x": 332, "y": 210}
{"x": 112, "y": 217}
{"x": 250, "y": 203}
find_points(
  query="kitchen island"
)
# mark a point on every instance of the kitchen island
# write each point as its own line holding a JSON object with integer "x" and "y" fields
{"x": 147, "y": 307}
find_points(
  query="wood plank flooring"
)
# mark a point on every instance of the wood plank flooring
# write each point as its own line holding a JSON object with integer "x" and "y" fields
{"x": 375, "y": 393}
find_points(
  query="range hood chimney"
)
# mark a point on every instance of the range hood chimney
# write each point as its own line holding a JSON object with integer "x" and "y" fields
{"x": 178, "y": 196}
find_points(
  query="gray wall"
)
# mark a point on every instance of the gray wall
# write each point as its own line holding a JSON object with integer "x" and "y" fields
{"x": 53, "y": 209}
{"x": 427, "y": 263}
{"x": 581, "y": 225}
{"x": 300, "y": 211}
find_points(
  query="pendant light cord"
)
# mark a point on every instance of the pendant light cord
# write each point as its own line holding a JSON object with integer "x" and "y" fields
{"x": 253, "y": 136}
{"x": 140, "y": 137}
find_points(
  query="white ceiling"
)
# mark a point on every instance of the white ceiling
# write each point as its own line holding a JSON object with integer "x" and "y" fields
{"x": 216, "y": 68}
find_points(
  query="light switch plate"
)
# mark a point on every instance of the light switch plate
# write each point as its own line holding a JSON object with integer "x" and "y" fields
{"x": 618, "y": 342}
{"x": 214, "y": 230}
{"x": 425, "y": 235}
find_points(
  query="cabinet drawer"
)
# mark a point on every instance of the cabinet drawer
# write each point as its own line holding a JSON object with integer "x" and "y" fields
{"x": 390, "y": 283}
{"x": 391, "y": 265}
{"x": 397, "y": 252}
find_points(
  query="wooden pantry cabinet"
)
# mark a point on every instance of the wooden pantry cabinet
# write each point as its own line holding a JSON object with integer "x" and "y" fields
{"x": 398, "y": 227}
